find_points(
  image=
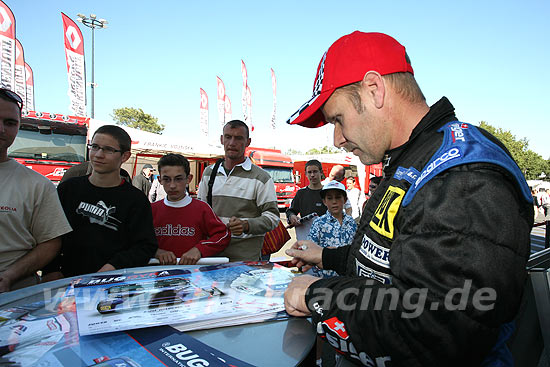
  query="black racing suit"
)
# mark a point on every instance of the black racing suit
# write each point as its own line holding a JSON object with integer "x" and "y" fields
{"x": 407, "y": 294}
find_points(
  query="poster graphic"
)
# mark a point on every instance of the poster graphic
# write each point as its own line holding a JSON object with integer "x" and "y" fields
{"x": 207, "y": 297}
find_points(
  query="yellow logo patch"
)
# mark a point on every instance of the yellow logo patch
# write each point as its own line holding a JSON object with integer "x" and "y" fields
{"x": 382, "y": 220}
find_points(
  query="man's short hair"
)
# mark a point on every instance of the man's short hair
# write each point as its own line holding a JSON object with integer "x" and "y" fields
{"x": 236, "y": 124}
{"x": 118, "y": 133}
{"x": 314, "y": 162}
{"x": 174, "y": 160}
{"x": 10, "y": 96}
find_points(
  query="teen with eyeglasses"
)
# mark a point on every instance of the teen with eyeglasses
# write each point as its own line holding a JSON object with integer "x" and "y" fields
{"x": 31, "y": 217}
{"x": 186, "y": 228}
{"x": 112, "y": 220}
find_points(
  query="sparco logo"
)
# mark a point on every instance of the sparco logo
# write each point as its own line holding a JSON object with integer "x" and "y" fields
{"x": 447, "y": 156}
{"x": 179, "y": 352}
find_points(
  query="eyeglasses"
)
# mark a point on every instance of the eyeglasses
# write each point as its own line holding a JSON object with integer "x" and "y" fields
{"x": 178, "y": 179}
{"x": 12, "y": 96}
{"x": 107, "y": 150}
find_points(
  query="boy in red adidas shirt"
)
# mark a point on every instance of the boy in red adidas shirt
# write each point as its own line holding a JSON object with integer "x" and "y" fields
{"x": 186, "y": 228}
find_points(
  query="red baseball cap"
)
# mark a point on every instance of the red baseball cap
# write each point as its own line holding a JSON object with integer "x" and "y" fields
{"x": 346, "y": 62}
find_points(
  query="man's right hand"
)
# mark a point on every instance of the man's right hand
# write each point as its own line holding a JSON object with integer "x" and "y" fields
{"x": 294, "y": 221}
{"x": 305, "y": 254}
{"x": 166, "y": 257}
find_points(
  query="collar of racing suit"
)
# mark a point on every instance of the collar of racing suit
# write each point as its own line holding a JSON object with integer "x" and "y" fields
{"x": 440, "y": 112}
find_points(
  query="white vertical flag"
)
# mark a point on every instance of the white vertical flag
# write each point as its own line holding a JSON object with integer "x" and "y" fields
{"x": 244, "y": 93}
{"x": 274, "y": 86}
{"x": 20, "y": 79}
{"x": 30, "y": 88}
{"x": 249, "y": 108}
{"x": 74, "y": 52}
{"x": 204, "y": 113}
{"x": 227, "y": 108}
{"x": 221, "y": 101}
{"x": 7, "y": 47}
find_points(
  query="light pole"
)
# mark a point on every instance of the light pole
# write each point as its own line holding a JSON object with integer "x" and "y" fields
{"x": 93, "y": 23}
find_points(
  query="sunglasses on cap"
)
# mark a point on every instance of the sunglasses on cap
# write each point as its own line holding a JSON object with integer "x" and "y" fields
{"x": 12, "y": 96}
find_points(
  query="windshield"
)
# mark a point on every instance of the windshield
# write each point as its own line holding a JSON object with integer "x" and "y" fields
{"x": 280, "y": 174}
{"x": 49, "y": 143}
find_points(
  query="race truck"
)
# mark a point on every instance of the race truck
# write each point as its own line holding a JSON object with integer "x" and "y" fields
{"x": 279, "y": 166}
{"x": 50, "y": 143}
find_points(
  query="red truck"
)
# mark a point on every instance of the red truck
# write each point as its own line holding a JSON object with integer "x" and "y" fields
{"x": 50, "y": 143}
{"x": 280, "y": 167}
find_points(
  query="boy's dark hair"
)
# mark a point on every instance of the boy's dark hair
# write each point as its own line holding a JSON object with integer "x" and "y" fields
{"x": 174, "y": 160}
{"x": 118, "y": 133}
{"x": 238, "y": 123}
{"x": 314, "y": 162}
{"x": 324, "y": 193}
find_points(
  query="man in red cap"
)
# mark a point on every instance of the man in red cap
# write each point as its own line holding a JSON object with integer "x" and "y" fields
{"x": 436, "y": 270}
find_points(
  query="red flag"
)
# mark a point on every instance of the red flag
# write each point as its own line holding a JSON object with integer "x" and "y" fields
{"x": 74, "y": 52}
{"x": 30, "y": 88}
{"x": 221, "y": 101}
{"x": 20, "y": 79}
{"x": 7, "y": 47}
{"x": 204, "y": 112}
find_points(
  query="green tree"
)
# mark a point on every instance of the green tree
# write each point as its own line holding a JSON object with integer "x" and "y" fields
{"x": 530, "y": 163}
{"x": 325, "y": 150}
{"x": 292, "y": 151}
{"x": 136, "y": 118}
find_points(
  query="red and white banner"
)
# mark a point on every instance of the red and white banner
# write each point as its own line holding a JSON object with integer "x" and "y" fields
{"x": 244, "y": 93}
{"x": 249, "y": 108}
{"x": 29, "y": 103}
{"x": 7, "y": 47}
{"x": 204, "y": 113}
{"x": 221, "y": 101}
{"x": 227, "y": 108}
{"x": 274, "y": 86}
{"x": 20, "y": 79}
{"x": 74, "y": 52}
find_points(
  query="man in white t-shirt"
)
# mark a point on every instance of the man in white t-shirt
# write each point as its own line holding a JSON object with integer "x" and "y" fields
{"x": 31, "y": 216}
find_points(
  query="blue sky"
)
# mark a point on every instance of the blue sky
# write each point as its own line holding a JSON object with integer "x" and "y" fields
{"x": 490, "y": 58}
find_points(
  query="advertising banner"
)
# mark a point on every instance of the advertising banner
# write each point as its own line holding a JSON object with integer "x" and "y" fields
{"x": 30, "y": 88}
{"x": 204, "y": 112}
{"x": 221, "y": 101}
{"x": 227, "y": 108}
{"x": 248, "y": 120}
{"x": 7, "y": 47}
{"x": 245, "y": 85}
{"x": 74, "y": 52}
{"x": 20, "y": 79}
{"x": 274, "y": 86}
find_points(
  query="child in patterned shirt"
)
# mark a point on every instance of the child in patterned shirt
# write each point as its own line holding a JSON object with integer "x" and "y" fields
{"x": 335, "y": 228}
